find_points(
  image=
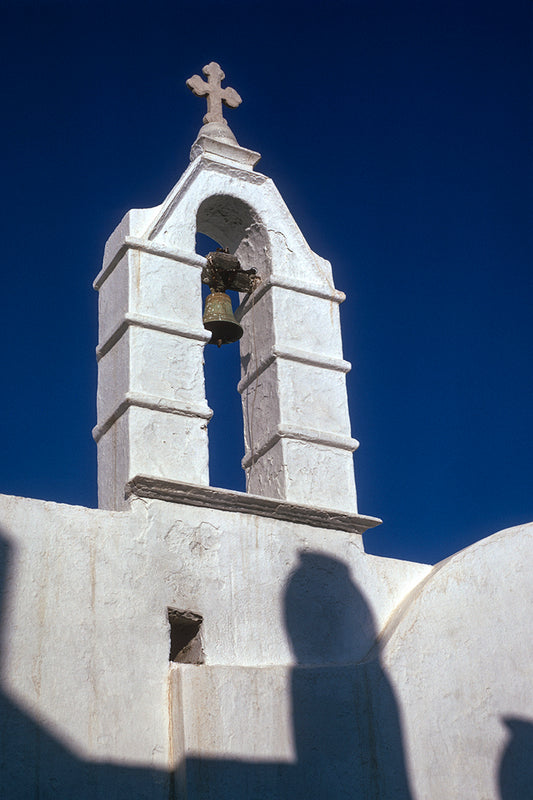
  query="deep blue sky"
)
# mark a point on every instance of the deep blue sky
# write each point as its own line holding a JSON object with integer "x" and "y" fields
{"x": 399, "y": 135}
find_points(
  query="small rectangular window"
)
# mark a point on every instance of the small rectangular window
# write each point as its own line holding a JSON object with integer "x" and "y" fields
{"x": 185, "y": 642}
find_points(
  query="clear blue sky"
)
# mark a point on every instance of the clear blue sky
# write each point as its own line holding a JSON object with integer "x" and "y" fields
{"x": 399, "y": 135}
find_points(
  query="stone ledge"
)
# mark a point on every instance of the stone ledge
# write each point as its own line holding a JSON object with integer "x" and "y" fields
{"x": 152, "y": 403}
{"x": 240, "y": 502}
{"x": 280, "y": 282}
{"x": 175, "y": 328}
{"x": 225, "y": 150}
{"x": 300, "y": 356}
{"x": 299, "y": 434}
{"x": 150, "y": 247}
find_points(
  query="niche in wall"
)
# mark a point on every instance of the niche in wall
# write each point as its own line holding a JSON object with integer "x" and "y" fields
{"x": 185, "y": 641}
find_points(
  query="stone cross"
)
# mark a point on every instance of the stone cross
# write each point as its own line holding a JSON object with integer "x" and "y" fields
{"x": 216, "y": 95}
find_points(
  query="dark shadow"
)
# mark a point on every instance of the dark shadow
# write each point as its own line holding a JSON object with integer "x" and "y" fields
{"x": 516, "y": 767}
{"x": 346, "y": 723}
{"x": 346, "y": 727}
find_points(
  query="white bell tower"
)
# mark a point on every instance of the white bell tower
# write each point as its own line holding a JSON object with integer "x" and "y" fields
{"x": 152, "y": 411}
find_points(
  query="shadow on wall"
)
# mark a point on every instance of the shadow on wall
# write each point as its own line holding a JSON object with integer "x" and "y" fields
{"x": 516, "y": 768}
{"x": 346, "y": 726}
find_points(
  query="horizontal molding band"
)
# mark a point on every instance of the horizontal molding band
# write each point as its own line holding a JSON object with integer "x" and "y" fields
{"x": 153, "y": 248}
{"x": 153, "y": 324}
{"x": 310, "y": 435}
{"x": 140, "y": 400}
{"x": 301, "y": 356}
{"x": 205, "y": 145}
{"x": 255, "y": 373}
{"x": 301, "y": 287}
{"x": 243, "y": 503}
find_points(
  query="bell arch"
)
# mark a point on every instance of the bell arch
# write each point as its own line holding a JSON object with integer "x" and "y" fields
{"x": 295, "y": 413}
{"x": 237, "y": 226}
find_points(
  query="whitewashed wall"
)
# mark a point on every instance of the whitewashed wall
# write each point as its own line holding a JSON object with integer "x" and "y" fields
{"x": 460, "y": 657}
{"x": 324, "y": 666}
{"x": 86, "y": 680}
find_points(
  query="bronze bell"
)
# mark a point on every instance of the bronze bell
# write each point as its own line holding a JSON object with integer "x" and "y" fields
{"x": 218, "y": 318}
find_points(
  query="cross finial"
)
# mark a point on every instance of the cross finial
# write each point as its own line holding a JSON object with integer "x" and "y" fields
{"x": 216, "y": 95}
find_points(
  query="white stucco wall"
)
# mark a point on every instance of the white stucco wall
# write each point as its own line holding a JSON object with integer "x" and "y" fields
{"x": 459, "y": 655}
{"x": 426, "y": 670}
{"x": 85, "y": 637}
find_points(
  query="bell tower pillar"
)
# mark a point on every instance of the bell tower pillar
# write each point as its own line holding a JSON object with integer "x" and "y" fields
{"x": 151, "y": 405}
{"x": 297, "y": 427}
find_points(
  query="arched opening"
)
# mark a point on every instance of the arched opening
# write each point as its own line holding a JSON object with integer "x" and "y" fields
{"x": 222, "y": 373}
{"x": 235, "y": 225}
{"x": 225, "y": 221}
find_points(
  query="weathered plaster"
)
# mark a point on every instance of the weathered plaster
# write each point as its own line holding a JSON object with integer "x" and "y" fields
{"x": 86, "y": 601}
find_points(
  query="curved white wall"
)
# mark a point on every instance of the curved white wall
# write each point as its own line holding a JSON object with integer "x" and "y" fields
{"x": 459, "y": 655}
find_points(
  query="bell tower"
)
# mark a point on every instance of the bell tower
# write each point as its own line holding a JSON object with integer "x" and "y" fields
{"x": 152, "y": 411}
